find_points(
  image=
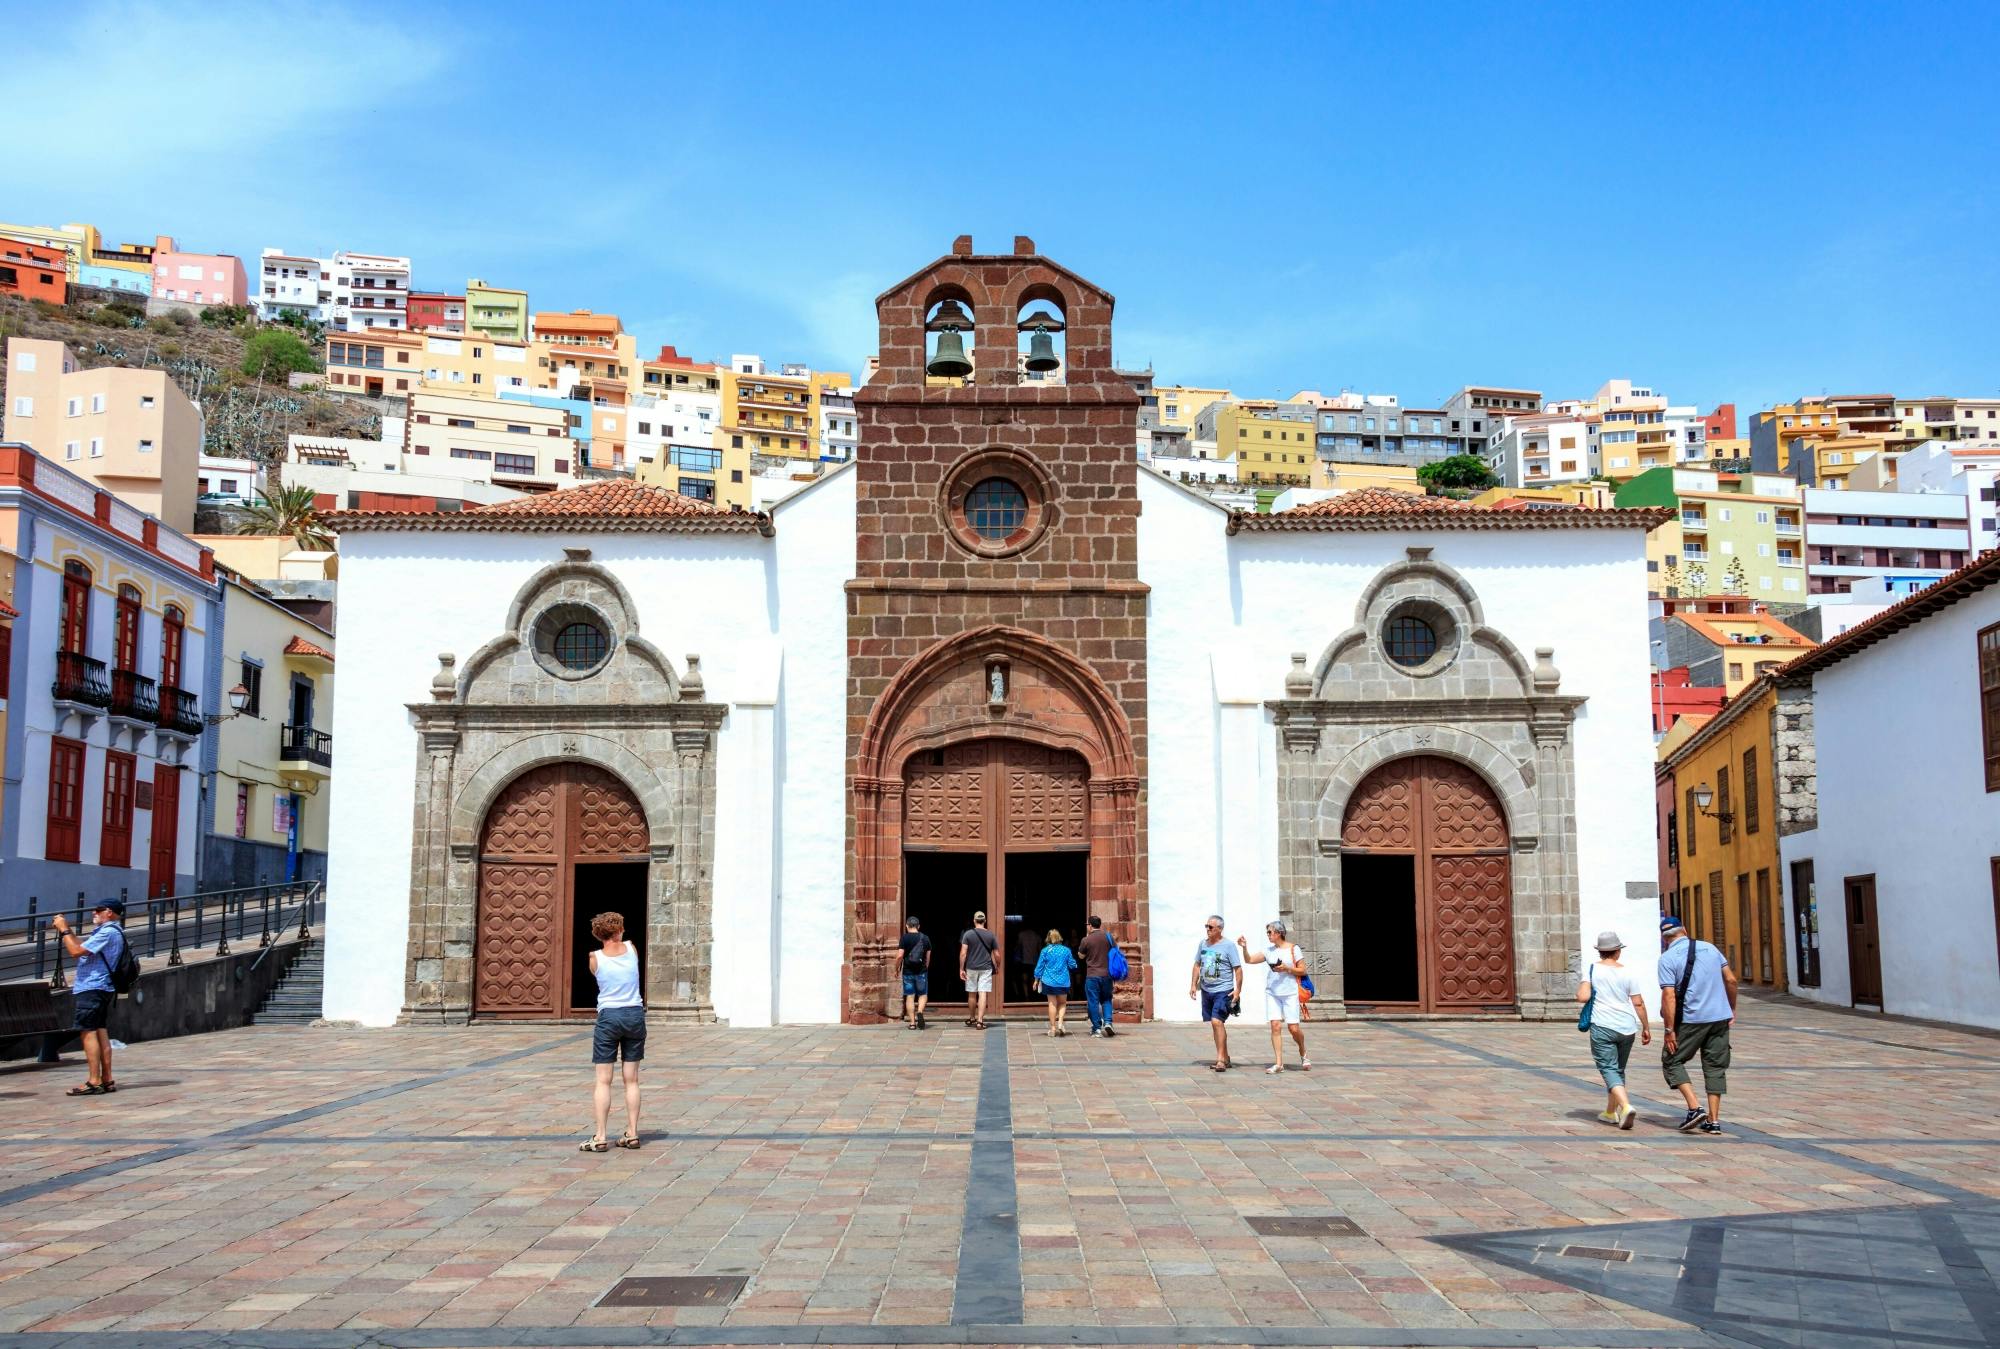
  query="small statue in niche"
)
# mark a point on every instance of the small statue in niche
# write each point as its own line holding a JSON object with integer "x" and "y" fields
{"x": 996, "y": 683}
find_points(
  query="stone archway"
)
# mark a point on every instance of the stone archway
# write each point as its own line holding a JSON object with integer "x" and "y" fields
{"x": 990, "y": 686}
{"x": 1430, "y": 834}
{"x": 541, "y": 827}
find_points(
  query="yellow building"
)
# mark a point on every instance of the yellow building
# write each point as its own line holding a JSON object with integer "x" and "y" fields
{"x": 477, "y": 365}
{"x": 1269, "y": 449}
{"x": 775, "y": 414}
{"x": 512, "y": 444}
{"x": 1728, "y": 848}
{"x": 1836, "y": 457}
{"x": 1596, "y": 495}
{"x": 78, "y": 242}
{"x": 1352, "y": 477}
{"x": 270, "y": 557}
{"x": 1784, "y": 427}
{"x": 1728, "y": 449}
{"x": 1731, "y": 650}
{"x": 719, "y": 475}
{"x": 1180, "y": 404}
{"x": 274, "y": 763}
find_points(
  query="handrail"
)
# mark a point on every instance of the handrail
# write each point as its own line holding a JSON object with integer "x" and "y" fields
{"x": 173, "y": 927}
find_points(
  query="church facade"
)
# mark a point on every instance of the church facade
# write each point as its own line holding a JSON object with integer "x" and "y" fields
{"x": 995, "y": 664}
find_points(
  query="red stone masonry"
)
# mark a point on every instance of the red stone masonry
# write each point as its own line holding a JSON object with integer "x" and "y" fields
{"x": 933, "y": 609}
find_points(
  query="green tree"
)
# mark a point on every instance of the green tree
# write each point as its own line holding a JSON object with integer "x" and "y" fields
{"x": 274, "y": 353}
{"x": 1466, "y": 471}
{"x": 289, "y": 510}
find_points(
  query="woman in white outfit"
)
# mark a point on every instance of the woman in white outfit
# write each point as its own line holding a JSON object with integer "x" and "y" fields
{"x": 1617, "y": 1014}
{"x": 1283, "y": 964}
{"x": 620, "y": 1037}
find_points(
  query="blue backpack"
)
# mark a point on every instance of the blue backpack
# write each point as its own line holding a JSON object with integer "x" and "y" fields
{"x": 1120, "y": 970}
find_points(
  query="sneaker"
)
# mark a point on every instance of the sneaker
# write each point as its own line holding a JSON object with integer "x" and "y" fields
{"x": 1626, "y": 1118}
{"x": 1694, "y": 1120}
{"x": 920, "y": 1022}
{"x": 1709, "y": 1126}
{"x": 1110, "y": 1034}
{"x": 1607, "y": 1116}
{"x": 1095, "y": 1032}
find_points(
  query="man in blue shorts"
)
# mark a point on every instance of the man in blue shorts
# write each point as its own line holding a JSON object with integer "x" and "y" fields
{"x": 916, "y": 949}
{"x": 1217, "y": 981}
{"x": 93, "y": 991}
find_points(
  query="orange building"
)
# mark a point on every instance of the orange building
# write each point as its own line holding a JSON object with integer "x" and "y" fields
{"x": 33, "y": 272}
{"x": 1729, "y": 651}
{"x": 590, "y": 356}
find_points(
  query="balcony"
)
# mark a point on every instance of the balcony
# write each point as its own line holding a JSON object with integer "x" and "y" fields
{"x": 180, "y": 713}
{"x": 134, "y": 697}
{"x": 1787, "y": 528}
{"x": 1694, "y": 520}
{"x": 303, "y": 746}
{"x": 81, "y": 683}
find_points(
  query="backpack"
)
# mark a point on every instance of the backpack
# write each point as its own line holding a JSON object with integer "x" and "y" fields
{"x": 1121, "y": 969}
{"x": 125, "y": 969}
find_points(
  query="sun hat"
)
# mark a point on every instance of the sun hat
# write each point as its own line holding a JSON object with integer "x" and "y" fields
{"x": 1609, "y": 941}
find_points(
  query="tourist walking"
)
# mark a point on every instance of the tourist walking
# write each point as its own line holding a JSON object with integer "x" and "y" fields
{"x": 975, "y": 969}
{"x": 1217, "y": 983}
{"x": 1283, "y": 964}
{"x": 1027, "y": 946}
{"x": 1617, "y": 1014}
{"x": 92, "y": 990}
{"x": 1095, "y": 952}
{"x": 1697, "y": 1005}
{"x": 1052, "y": 974}
{"x": 916, "y": 948}
{"x": 620, "y": 1036}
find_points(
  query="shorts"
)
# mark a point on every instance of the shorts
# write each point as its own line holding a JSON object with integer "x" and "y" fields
{"x": 1710, "y": 1041}
{"x": 917, "y": 985}
{"x": 1215, "y": 1006}
{"x": 979, "y": 981}
{"x": 619, "y": 1030}
{"x": 1281, "y": 1007}
{"x": 93, "y": 1009}
{"x": 1610, "y": 1050}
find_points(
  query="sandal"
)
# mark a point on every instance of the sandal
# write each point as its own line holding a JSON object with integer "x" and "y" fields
{"x": 1274, "y": 1068}
{"x": 629, "y": 1141}
{"x": 1305, "y": 1065}
{"x": 87, "y": 1089}
{"x": 593, "y": 1145}
{"x": 1218, "y": 1068}
{"x": 110, "y": 1085}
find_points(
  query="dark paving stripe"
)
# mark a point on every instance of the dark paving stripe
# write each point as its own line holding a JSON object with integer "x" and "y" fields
{"x": 1701, "y": 1271}
{"x": 1968, "y": 1272}
{"x": 564, "y": 1337}
{"x": 36, "y": 1189}
{"x": 1797, "y": 1147}
{"x": 988, "y": 1288}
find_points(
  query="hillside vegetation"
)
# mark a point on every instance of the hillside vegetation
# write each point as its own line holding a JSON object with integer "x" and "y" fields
{"x": 246, "y": 416}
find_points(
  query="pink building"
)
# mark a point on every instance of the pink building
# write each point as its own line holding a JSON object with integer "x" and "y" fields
{"x": 197, "y": 278}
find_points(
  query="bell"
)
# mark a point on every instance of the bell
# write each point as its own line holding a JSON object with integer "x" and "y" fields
{"x": 950, "y": 362}
{"x": 1041, "y": 352}
{"x": 950, "y": 317}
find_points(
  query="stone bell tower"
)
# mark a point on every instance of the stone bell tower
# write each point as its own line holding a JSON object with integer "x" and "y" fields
{"x": 996, "y": 624}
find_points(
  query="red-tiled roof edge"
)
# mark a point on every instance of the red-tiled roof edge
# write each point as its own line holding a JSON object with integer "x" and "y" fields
{"x": 299, "y": 646}
{"x": 8, "y": 611}
{"x": 1946, "y": 591}
{"x": 1718, "y": 721}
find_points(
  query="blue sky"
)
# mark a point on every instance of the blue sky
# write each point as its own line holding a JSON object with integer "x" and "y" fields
{"x": 1742, "y": 202}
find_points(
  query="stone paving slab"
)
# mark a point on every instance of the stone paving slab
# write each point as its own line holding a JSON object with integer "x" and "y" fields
{"x": 315, "y": 1185}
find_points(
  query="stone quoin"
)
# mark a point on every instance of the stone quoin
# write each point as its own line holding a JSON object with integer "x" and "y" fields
{"x": 996, "y": 663}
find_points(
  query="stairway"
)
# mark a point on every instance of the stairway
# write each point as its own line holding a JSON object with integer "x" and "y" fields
{"x": 295, "y": 1000}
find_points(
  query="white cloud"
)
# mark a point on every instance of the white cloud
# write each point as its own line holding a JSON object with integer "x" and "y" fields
{"x": 129, "y": 94}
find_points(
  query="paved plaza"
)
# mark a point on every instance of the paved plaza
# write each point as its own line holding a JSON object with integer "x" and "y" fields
{"x": 321, "y": 1186}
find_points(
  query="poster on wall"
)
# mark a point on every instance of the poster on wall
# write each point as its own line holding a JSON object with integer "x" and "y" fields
{"x": 281, "y": 814}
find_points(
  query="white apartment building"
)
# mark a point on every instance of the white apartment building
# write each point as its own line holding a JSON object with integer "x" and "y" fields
{"x": 347, "y": 292}
{"x": 506, "y": 442}
{"x": 1963, "y": 469}
{"x": 1908, "y": 539}
{"x": 226, "y": 480}
{"x": 1541, "y": 448}
{"x": 838, "y": 437}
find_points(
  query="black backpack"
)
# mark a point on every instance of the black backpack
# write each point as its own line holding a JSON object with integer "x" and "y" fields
{"x": 125, "y": 969}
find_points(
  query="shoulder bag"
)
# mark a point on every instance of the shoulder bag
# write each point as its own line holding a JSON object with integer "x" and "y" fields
{"x": 1589, "y": 1009}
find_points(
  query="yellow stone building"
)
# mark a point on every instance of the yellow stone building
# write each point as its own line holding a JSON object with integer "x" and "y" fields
{"x": 1725, "y": 841}
{"x": 1180, "y": 404}
{"x": 1269, "y": 449}
{"x": 1352, "y": 477}
{"x": 775, "y": 414}
{"x": 720, "y": 475}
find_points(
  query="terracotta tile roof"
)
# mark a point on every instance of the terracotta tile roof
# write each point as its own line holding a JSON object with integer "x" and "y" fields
{"x": 1714, "y": 724}
{"x": 1714, "y": 628}
{"x": 1385, "y": 508}
{"x": 610, "y": 503}
{"x": 299, "y": 646}
{"x": 8, "y": 611}
{"x": 1968, "y": 580}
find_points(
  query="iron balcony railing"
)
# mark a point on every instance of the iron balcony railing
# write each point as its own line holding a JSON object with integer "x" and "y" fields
{"x": 134, "y": 696}
{"x": 79, "y": 679}
{"x": 180, "y": 713}
{"x": 178, "y": 928}
{"x": 304, "y": 743}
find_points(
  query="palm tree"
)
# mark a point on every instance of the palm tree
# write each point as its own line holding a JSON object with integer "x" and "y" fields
{"x": 288, "y": 510}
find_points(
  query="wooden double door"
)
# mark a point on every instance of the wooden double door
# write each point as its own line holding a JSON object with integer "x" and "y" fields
{"x": 1426, "y": 891}
{"x": 1004, "y": 826}
{"x": 561, "y": 842}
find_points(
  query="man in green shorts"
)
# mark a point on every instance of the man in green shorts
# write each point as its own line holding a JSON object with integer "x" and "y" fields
{"x": 1697, "y": 1004}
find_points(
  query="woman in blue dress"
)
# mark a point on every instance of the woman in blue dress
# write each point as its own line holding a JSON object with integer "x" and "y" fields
{"x": 1052, "y": 976}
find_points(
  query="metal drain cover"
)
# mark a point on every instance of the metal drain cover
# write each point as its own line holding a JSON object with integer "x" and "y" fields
{"x": 1289, "y": 1226}
{"x": 679, "y": 1291}
{"x": 1596, "y": 1253}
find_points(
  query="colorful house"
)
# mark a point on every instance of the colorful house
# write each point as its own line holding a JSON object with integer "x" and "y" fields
{"x": 1728, "y": 651}
{"x": 33, "y": 271}
{"x": 496, "y": 312}
{"x": 198, "y": 279}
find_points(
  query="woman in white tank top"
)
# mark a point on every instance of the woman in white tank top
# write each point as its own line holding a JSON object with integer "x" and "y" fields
{"x": 621, "y": 1027}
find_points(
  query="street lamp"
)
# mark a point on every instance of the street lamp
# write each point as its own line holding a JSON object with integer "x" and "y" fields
{"x": 1702, "y": 797}
{"x": 239, "y": 698}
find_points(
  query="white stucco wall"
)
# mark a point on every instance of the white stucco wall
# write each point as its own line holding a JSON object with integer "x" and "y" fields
{"x": 1902, "y": 796}
{"x": 1226, "y": 614}
{"x": 407, "y": 596}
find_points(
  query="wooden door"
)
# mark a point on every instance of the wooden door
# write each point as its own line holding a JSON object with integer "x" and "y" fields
{"x": 542, "y": 823}
{"x": 165, "y": 852}
{"x": 1445, "y": 814}
{"x": 1864, "y": 943}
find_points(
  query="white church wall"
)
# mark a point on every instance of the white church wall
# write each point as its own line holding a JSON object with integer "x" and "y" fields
{"x": 708, "y": 594}
{"x": 815, "y": 559}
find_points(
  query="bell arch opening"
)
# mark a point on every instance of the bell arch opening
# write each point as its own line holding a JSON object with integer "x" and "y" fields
{"x": 560, "y": 843}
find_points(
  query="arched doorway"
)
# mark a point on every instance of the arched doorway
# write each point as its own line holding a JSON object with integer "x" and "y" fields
{"x": 1001, "y": 825}
{"x": 562, "y": 843}
{"x": 1427, "y": 907}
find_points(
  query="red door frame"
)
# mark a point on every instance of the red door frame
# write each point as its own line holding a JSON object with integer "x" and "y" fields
{"x": 164, "y": 851}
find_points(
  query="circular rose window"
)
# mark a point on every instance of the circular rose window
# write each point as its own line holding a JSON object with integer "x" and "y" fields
{"x": 581, "y": 646}
{"x": 571, "y": 640}
{"x": 996, "y": 509}
{"x": 996, "y": 502}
